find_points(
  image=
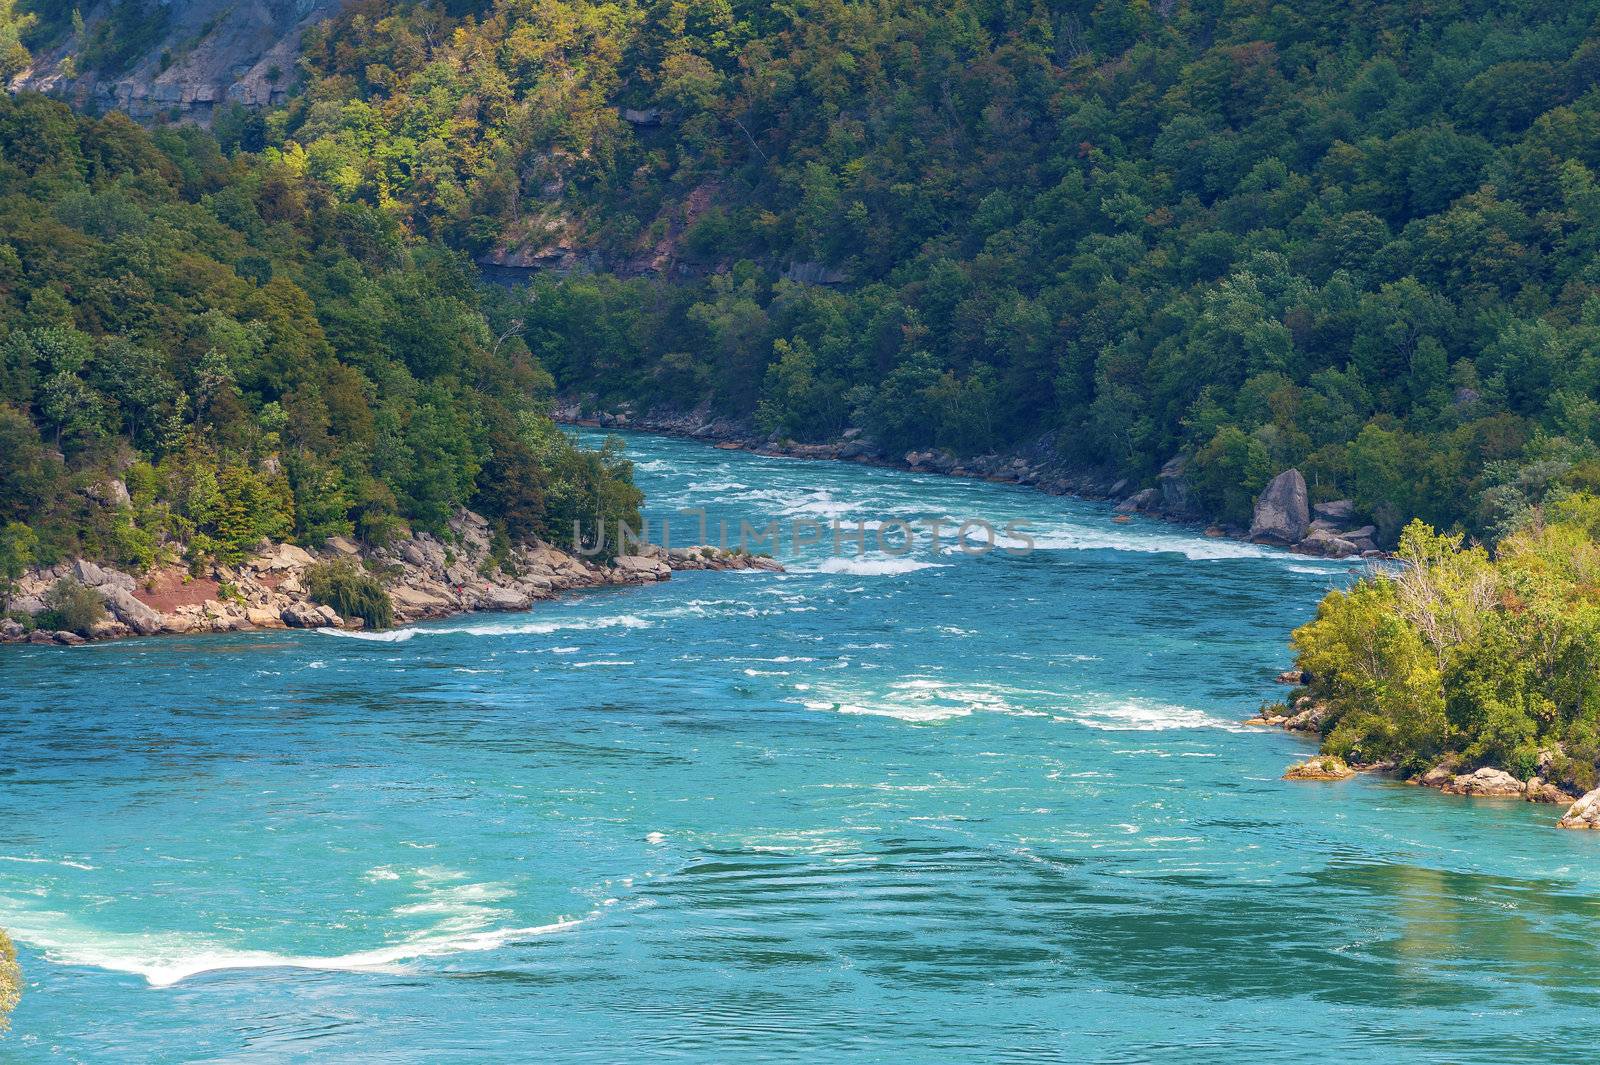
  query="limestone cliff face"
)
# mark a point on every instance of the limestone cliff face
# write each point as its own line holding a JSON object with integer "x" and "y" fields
{"x": 212, "y": 52}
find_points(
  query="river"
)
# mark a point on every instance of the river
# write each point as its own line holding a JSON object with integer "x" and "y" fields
{"x": 944, "y": 807}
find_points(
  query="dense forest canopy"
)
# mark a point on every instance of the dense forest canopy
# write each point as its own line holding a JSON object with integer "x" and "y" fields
{"x": 1358, "y": 239}
{"x": 1354, "y": 238}
{"x": 247, "y": 357}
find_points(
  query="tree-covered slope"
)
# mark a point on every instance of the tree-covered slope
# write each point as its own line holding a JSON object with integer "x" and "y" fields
{"x": 247, "y": 357}
{"x": 1354, "y": 238}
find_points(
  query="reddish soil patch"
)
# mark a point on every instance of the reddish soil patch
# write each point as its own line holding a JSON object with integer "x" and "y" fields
{"x": 167, "y": 590}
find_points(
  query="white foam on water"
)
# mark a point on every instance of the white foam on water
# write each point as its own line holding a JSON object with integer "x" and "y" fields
{"x": 463, "y": 915}
{"x": 46, "y": 861}
{"x": 715, "y": 486}
{"x": 921, "y": 700}
{"x": 527, "y": 628}
{"x": 165, "y": 958}
{"x": 1140, "y": 715}
{"x": 868, "y": 566}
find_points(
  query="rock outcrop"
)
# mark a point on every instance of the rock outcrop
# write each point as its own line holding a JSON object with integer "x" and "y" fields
{"x": 1585, "y": 813}
{"x": 425, "y": 576}
{"x": 1485, "y": 783}
{"x": 1320, "y": 767}
{"x": 210, "y": 53}
{"x": 1283, "y": 512}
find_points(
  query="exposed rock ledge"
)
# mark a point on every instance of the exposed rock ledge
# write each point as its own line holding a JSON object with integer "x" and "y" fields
{"x": 425, "y": 577}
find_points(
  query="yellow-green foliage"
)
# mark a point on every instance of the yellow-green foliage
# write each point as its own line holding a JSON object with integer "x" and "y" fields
{"x": 1493, "y": 661}
{"x": 10, "y": 980}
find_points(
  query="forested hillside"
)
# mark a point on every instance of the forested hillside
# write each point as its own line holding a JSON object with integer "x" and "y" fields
{"x": 233, "y": 354}
{"x": 1354, "y": 238}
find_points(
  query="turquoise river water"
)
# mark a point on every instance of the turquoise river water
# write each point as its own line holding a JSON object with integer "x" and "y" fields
{"x": 932, "y": 808}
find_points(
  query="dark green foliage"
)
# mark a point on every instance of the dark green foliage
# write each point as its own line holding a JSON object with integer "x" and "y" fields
{"x": 274, "y": 362}
{"x": 1462, "y": 658}
{"x": 70, "y": 607}
{"x": 128, "y": 30}
{"x": 1359, "y": 239}
{"x": 351, "y": 591}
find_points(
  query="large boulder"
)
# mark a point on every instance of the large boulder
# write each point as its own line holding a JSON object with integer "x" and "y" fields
{"x": 1541, "y": 790}
{"x": 1328, "y": 545}
{"x": 302, "y": 616}
{"x": 639, "y": 566}
{"x": 488, "y": 596}
{"x": 1146, "y": 500}
{"x": 1486, "y": 783}
{"x": 92, "y": 576}
{"x": 139, "y": 617}
{"x": 1339, "y": 510}
{"x": 1283, "y": 513}
{"x": 343, "y": 545}
{"x": 283, "y": 558}
{"x": 1174, "y": 482}
{"x": 1585, "y": 813}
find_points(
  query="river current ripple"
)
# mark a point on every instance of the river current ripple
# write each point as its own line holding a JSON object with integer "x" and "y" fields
{"x": 938, "y": 808}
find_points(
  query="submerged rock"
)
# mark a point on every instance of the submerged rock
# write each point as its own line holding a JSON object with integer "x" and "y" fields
{"x": 1282, "y": 513}
{"x": 1321, "y": 767}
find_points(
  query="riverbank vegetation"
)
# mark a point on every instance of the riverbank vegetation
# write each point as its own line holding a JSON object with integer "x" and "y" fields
{"x": 1356, "y": 240}
{"x": 200, "y": 351}
{"x": 1467, "y": 659}
{"x": 10, "y": 980}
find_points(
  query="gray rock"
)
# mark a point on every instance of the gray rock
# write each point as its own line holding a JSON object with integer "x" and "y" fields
{"x": 1145, "y": 500}
{"x": 344, "y": 545}
{"x": 136, "y": 615}
{"x": 1282, "y": 514}
{"x": 1486, "y": 783}
{"x": 92, "y": 576}
{"x": 1585, "y": 813}
{"x": 301, "y": 616}
{"x": 1327, "y": 544}
{"x": 113, "y": 493}
{"x": 10, "y": 629}
{"x": 1174, "y": 486}
{"x": 814, "y": 273}
{"x": 1340, "y": 510}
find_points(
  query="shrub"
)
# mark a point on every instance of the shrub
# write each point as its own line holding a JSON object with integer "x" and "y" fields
{"x": 351, "y": 591}
{"x": 70, "y": 607}
{"x": 10, "y": 980}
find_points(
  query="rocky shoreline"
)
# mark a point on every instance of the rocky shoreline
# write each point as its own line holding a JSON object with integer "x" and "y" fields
{"x": 1485, "y": 782}
{"x": 1283, "y": 517}
{"x": 426, "y": 577}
